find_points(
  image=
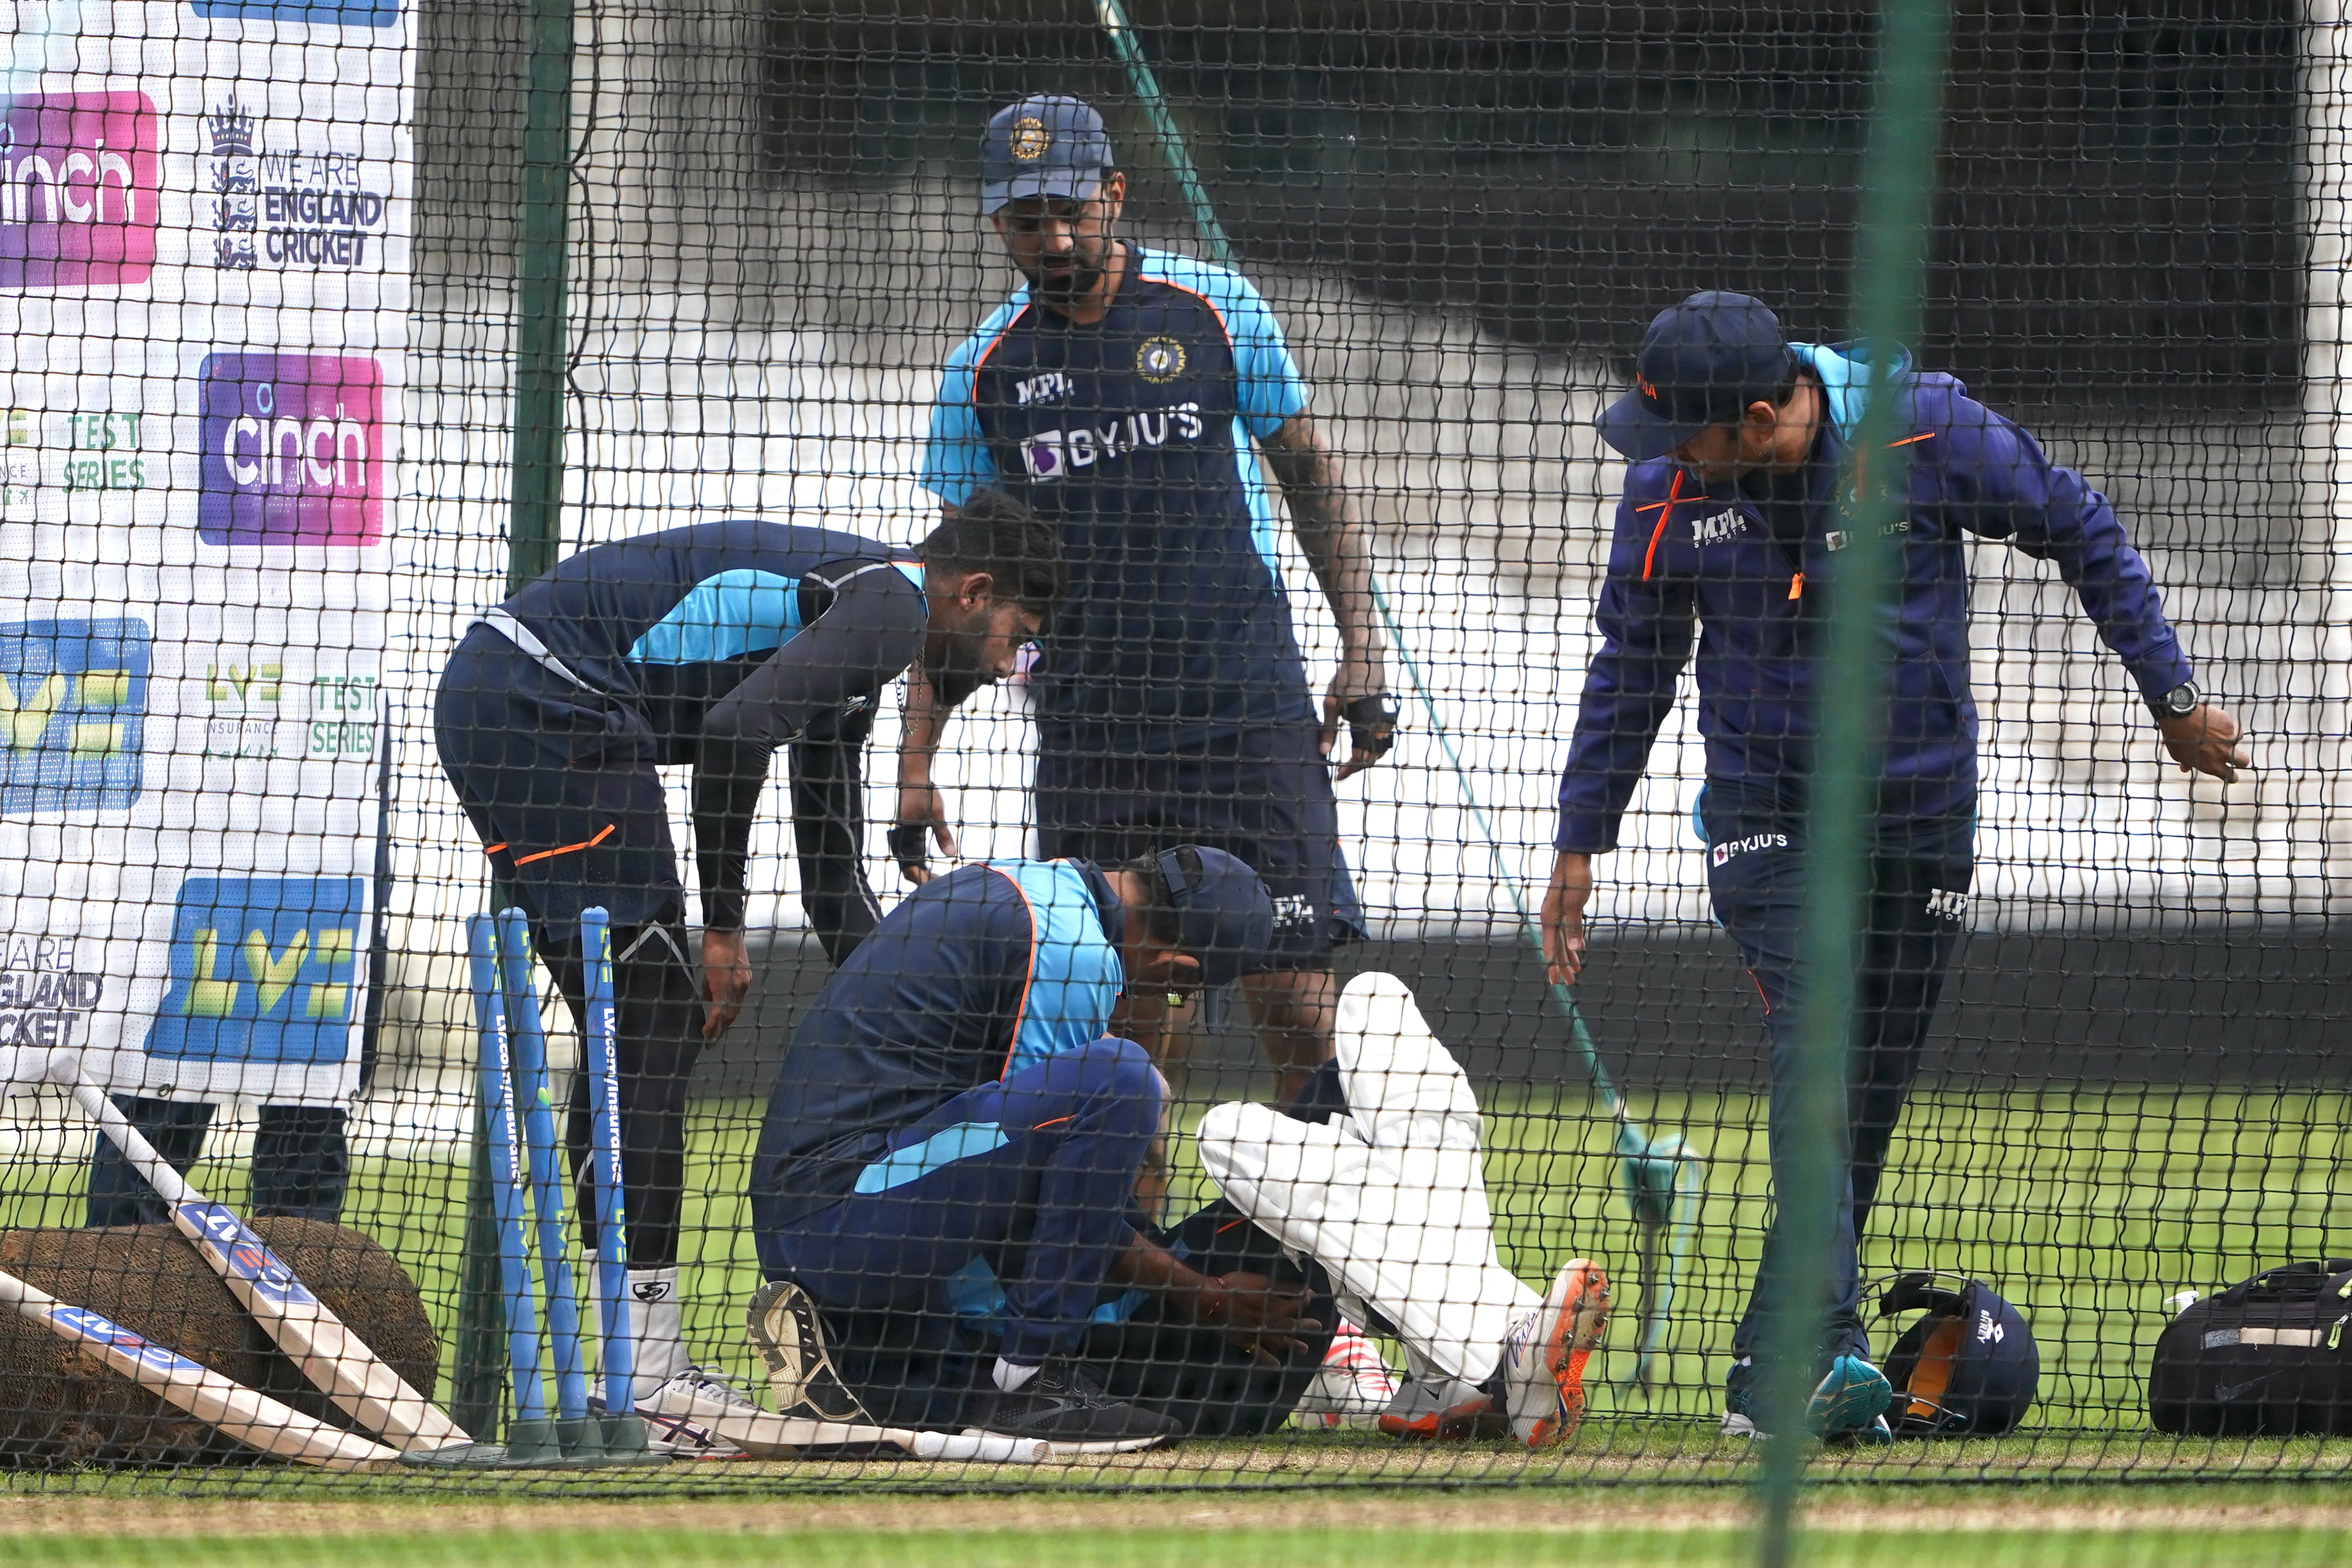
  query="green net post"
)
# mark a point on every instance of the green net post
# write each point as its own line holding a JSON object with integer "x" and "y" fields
{"x": 478, "y": 1382}
{"x": 539, "y": 271}
{"x": 1889, "y": 267}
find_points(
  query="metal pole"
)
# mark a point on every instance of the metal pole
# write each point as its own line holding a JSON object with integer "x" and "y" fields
{"x": 1890, "y": 258}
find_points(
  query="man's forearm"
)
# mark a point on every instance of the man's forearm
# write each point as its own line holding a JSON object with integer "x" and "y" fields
{"x": 924, "y": 725}
{"x": 1336, "y": 546}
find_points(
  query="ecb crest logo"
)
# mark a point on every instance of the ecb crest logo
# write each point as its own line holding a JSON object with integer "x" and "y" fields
{"x": 293, "y": 450}
{"x": 80, "y": 189}
{"x": 262, "y": 970}
{"x": 73, "y": 703}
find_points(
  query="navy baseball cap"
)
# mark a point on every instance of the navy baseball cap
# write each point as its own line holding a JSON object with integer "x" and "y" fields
{"x": 1225, "y": 916}
{"x": 1043, "y": 146}
{"x": 1969, "y": 1368}
{"x": 1702, "y": 362}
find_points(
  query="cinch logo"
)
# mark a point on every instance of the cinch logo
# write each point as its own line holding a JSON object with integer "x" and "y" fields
{"x": 73, "y": 703}
{"x": 292, "y": 450}
{"x": 80, "y": 189}
{"x": 330, "y": 12}
{"x": 262, "y": 970}
{"x": 1053, "y": 454}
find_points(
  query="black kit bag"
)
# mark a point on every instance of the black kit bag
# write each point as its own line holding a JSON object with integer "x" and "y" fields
{"x": 2271, "y": 1357}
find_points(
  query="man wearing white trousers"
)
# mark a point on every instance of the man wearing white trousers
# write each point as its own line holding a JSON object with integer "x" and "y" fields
{"x": 1390, "y": 1199}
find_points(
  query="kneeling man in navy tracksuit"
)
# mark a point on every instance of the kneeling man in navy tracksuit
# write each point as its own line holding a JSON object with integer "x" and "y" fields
{"x": 951, "y": 1152}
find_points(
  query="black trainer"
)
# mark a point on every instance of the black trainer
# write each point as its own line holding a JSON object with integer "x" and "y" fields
{"x": 1063, "y": 1406}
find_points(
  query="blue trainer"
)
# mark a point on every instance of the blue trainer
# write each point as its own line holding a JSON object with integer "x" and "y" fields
{"x": 1852, "y": 1395}
{"x": 1847, "y": 1402}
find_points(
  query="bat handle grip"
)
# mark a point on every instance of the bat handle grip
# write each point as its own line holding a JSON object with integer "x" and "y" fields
{"x": 65, "y": 1067}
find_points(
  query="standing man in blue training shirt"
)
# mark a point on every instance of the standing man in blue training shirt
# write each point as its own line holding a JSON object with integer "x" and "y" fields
{"x": 1125, "y": 394}
{"x": 951, "y": 1152}
{"x": 1738, "y": 441}
{"x": 709, "y": 645}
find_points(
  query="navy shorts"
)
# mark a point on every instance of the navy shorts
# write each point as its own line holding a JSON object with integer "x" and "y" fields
{"x": 559, "y": 783}
{"x": 1263, "y": 796}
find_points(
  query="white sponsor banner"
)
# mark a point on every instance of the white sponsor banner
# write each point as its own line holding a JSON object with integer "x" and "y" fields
{"x": 203, "y": 295}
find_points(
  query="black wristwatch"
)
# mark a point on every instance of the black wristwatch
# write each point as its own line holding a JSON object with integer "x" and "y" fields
{"x": 2179, "y": 701}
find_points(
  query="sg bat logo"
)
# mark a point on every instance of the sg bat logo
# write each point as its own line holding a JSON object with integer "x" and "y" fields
{"x": 245, "y": 1254}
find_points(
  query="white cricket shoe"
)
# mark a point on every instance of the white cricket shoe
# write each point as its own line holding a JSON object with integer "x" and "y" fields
{"x": 677, "y": 1412}
{"x": 1544, "y": 1356}
{"x": 1352, "y": 1387}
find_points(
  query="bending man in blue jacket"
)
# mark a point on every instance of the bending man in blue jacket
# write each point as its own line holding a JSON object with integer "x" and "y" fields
{"x": 950, "y": 1151}
{"x": 1737, "y": 440}
{"x": 711, "y": 645}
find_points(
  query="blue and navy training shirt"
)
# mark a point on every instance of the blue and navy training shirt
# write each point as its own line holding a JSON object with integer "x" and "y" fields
{"x": 1134, "y": 435}
{"x": 977, "y": 973}
{"x": 729, "y": 639}
{"x": 1749, "y": 579}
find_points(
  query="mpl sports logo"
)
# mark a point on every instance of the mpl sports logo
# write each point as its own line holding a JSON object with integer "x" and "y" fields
{"x": 1716, "y": 526}
{"x": 293, "y": 450}
{"x": 245, "y": 1254}
{"x": 1054, "y": 454}
{"x": 73, "y": 708}
{"x": 262, "y": 970}
{"x": 81, "y": 188}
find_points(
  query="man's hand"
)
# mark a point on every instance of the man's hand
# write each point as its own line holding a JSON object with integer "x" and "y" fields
{"x": 1256, "y": 1315}
{"x": 1563, "y": 916}
{"x": 726, "y": 980}
{"x": 1359, "y": 698}
{"x": 2205, "y": 740}
{"x": 922, "y": 811}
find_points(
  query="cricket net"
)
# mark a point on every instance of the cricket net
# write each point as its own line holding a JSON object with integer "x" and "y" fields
{"x": 542, "y": 277}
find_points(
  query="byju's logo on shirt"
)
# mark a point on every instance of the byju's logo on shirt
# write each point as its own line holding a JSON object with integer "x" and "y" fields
{"x": 73, "y": 701}
{"x": 80, "y": 189}
{"x": 292, "y": 450}
{"x": 1055, "y": 453}
{"x": 1731, "y": 849}
{"x": 1716, "y": 526}
{"x": 262, "y": 970}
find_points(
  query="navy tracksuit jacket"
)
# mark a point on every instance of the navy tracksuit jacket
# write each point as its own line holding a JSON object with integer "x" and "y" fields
{"x": 1686, "y": 559}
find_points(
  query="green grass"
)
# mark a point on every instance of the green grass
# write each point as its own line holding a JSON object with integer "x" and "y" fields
{"x": 2086, "y": 1208}
{"x": 1165, "y": 1548}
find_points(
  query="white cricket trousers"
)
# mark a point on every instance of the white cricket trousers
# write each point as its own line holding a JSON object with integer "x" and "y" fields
{"x": 1390, "y": 1200}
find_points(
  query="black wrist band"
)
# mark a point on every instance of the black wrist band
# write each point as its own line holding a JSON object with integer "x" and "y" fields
{"x": 906, "y": 843}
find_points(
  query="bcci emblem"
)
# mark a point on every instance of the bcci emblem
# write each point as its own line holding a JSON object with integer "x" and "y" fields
{"x": 1160, "y": 360}
{"x": 1030, "y": 139}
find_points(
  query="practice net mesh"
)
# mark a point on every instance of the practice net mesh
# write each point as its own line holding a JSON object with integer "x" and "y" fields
{"x": 263, "y": 339}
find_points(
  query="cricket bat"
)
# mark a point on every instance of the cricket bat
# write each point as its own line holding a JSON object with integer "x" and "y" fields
{"x": 244, "y": 1414}
{"x": 770, "y": 1437}
{"x": 333, "y": 1358}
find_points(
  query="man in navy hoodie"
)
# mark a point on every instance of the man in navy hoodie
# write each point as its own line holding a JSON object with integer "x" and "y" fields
{"x": 1738, "y": 442}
